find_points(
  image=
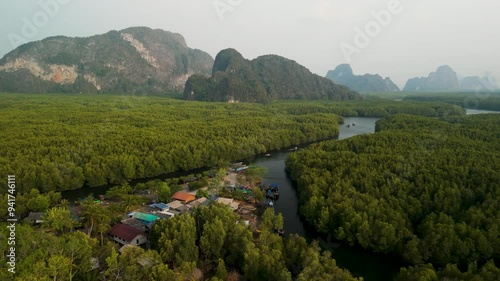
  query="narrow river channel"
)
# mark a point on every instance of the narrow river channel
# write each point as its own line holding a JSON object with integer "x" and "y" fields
{"x": 370, "y": 266}
{"x": 362, "y": 263}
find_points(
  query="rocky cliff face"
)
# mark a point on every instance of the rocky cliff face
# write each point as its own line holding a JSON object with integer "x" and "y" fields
{"x": 136, "y": 59}
{"x": 344, "y": 75}
{"x": 444, "y": 79}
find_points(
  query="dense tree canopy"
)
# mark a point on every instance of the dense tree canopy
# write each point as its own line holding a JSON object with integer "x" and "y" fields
{"x": 211, "y": 241}
{"x": 215, "y": 233}
{"x": 60, "y": 142}
{"x": 423, "y": 188}
{"x": 485, "y": 100}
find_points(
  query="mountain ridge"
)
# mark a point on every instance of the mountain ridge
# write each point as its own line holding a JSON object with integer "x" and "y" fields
{"x": 445, "y": 79}
{"x": 263, "y": 79}
{"x": 135, "y": 59}
{"x": 344, "y": 75}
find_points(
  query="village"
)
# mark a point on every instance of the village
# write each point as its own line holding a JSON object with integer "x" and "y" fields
{"x": 238, "y": 187}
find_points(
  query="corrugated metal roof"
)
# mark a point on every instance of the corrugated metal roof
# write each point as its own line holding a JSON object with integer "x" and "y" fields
{"x": 198, "y": 202}
{"x": 161, "y": 206}
{"x": 145, "y": 217}
{"x": 175, "y": 204}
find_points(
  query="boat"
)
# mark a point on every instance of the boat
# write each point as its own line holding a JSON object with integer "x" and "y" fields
{"x": 273, "y": 191}
{"x": 269, "y": 194}
{"x": 271, "y": 204}
{"x": 268, "y": 155}
{"x": 241, "y": 169}
{"x": 276, "y": 195}
{"x": 293, "y": 149}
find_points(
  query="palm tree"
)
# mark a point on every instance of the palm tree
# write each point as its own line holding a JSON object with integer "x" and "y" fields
{"x": 64, "y": 203}
{"x": 103, "y": 227}
{"x": 91, "y": 212}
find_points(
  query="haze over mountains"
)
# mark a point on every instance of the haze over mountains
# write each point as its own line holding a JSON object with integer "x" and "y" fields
{"x": 446, "y": 79}
{"x": 143, "y": 60}
{"x": 344, "y": 75}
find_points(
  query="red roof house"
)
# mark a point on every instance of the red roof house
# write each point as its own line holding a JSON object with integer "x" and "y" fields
{"x": 127, "y": 235}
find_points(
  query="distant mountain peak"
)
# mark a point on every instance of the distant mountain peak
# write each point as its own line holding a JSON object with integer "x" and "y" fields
{"x": 343, "y": 70}
{"x": 344, "y": 75}
{"x": 264, "y": 79}
{"x": 443, "y": 79}
{"x": 444, "y": 69}
{"x": 226, "y": 59}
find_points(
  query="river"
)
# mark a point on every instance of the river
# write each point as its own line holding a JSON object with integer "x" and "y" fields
{"x": 479, "y": 111}
{"x": 371, "y": 266}
{"x": 275, "y": 164}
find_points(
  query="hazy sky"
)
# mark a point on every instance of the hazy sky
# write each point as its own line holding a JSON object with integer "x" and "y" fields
{"x": 420, "y": 35}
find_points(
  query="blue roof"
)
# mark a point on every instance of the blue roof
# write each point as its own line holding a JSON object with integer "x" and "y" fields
{"x": 160, "y": 206}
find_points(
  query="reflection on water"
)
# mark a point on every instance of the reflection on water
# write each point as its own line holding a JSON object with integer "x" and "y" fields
{"x": 478, "y": 111}
{"x": 357, "y": 126}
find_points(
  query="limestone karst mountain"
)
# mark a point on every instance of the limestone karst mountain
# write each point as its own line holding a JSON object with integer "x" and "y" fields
{"x": 136, "y": 59}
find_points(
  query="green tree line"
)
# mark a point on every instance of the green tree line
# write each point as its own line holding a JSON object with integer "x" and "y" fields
{"x": 60, "y": 142}
{"x": 482, "y": 100}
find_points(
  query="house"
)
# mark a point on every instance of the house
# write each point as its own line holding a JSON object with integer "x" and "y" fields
{"x": 229, "y": 202}
{"x": 127, "y": 235}
{"x": 184, "y": 208}
{"x": 147, "y": 219}
{"x": 174, "y": 205}
{"x": 177, "y": 207}
{"x": 198, "y": 202}
{"x": 167, "y": 214}
{"x": 160, "y": 206}
{"x": 183, "y": 197}
{"x": 35, "y": 218}
{"x": 134, "y": 223}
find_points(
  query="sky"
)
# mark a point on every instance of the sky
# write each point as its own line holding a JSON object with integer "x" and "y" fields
{"x": 400, "y": 39}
